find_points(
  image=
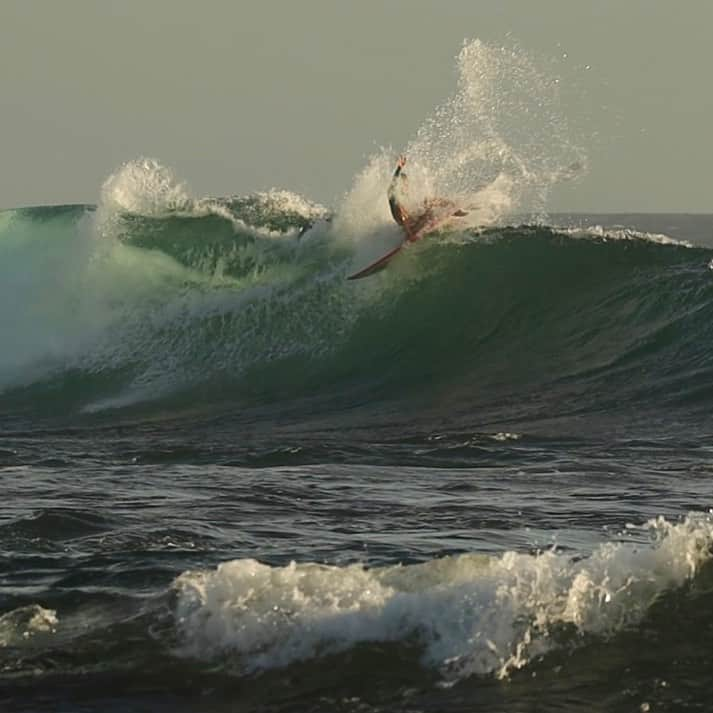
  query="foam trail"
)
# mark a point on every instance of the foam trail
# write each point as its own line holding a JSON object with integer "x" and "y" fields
{"x": 472, "y": 614}
{"x": 20, "y": 625}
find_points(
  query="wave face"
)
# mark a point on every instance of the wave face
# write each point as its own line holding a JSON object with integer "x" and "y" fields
{"x": 241, "y": 302}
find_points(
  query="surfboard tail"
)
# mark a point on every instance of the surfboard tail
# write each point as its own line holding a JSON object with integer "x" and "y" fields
{"x": 377, "y": 265}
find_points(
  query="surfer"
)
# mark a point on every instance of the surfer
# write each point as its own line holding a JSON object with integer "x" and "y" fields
{"x": 397, "y": 188}
{"x": 436, "y": 212}
{"x": 413, "y": 226}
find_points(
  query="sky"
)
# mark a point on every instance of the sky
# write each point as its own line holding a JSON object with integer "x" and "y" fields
{"x": 239, "y": 96}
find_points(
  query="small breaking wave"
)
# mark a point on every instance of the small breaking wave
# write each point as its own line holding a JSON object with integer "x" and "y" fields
{"x": 469, "y": 614}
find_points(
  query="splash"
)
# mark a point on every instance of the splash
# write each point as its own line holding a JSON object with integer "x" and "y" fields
{"x": 496, "y": 147}
{"x": 145, "y": 187}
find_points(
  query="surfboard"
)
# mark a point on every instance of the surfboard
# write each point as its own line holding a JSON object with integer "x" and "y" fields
{"x": 380, "y": 263}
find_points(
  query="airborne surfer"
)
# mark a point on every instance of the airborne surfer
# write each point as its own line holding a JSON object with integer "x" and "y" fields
{"x": 397, "y": 188}
{"x": 413, "y": 226}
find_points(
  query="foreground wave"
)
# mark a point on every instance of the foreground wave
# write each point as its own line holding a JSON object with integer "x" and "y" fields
{"x": 450, "y": 618}
{"x": 469, "y": 614}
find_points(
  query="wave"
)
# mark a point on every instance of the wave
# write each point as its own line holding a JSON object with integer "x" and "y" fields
{"x": 467, "y": 615}
{"x": 255, "y": 308}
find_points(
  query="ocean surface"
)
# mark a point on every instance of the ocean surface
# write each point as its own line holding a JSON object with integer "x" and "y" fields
{"x": 233, "y": 480}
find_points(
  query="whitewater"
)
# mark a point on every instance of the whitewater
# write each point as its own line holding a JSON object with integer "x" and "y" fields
{"x": 477, "y": 480}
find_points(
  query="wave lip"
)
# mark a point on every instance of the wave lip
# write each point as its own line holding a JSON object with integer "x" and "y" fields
{"x": 469, "y": 614}
{"x": 145, "y": 189}
{"x": 610, "y": 233}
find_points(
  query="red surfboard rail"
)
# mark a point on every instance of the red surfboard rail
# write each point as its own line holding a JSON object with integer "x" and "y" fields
{"x": 379, "y": 264}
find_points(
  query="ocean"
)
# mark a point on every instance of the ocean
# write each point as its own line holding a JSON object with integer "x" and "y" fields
{"x": 233, "y": 480}
{"x": 479, "y": 480}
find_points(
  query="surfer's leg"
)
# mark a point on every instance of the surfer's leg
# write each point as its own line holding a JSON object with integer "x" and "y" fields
{"x": 398, "y": 212}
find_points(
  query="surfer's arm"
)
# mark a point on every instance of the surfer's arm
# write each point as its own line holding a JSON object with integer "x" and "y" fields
{"x": 397, "y": 173}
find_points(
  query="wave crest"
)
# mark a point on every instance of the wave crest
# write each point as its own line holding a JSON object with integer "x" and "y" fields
{"x": 145, "y": 187}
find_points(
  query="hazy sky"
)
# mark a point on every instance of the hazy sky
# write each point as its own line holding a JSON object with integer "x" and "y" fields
{"x": 240, "y": 96}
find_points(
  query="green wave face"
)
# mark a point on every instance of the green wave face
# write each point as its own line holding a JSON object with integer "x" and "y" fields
{"x": 238, "y": 307}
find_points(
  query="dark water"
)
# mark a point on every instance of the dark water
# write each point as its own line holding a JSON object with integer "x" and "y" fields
{"x": 234, "y": 481}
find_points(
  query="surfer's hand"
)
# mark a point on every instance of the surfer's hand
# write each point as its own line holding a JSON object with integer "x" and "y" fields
{"x": 401, "y": 162}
